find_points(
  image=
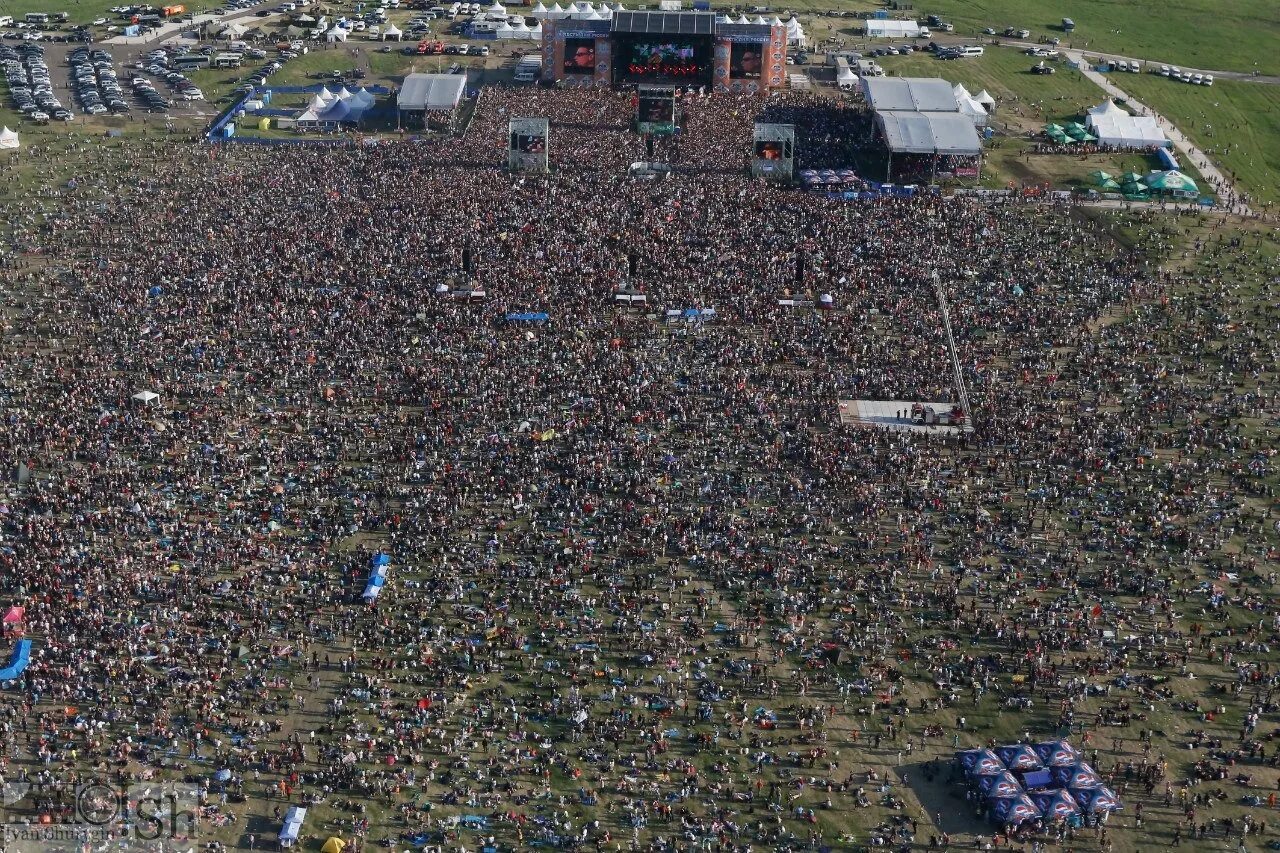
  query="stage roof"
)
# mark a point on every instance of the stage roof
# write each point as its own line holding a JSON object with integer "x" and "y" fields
{"x": 667, "y": 23}
{"x": 929, "y": 133}
{"x": 922, "y": 94}
{"x": 431, "y": 91}
{"x": 749, "y": 30}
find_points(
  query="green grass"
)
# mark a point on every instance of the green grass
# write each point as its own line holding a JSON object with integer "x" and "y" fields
{"x": 1231, "y": 35}
{"x": 1236, "y": 124}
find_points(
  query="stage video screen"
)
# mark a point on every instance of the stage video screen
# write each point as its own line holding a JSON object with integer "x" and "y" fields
{"x": 527, "y": 144}
{"x": 666, "y": 59}
{"x": 746, "y": 61}
{"x": 772, "y": 150}
{"x": 657, "y": 109}
{"x": 579, "y": 56}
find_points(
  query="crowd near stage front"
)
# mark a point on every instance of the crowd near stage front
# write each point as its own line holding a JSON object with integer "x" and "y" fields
{"x": 665, "y": 48}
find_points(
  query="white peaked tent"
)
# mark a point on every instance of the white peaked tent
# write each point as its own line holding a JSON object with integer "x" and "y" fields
{"x": 392, "y": 32}
{"x": 338, "y": 111}
{"x": 760, "y": 21}
{"x": 557, "y": 12}
{"x": 775, "y": 21}
{"x": 496, "y": 9}
{"x": 743, "y": 19}
{"x": 536, "y": 32}
{"x": 1107, "y": 108}
{"x": 8, "y": 140}
{"x": 521, "y": 29}
{"x": 232, "y": 31}
{"x": 960, "y": 91}
{"x": 984, "y": 98}
{"x": 336, "y": 34}
{"x": 605, "y": 13}
{"x": 146, "y": 398}
{"x": 970, "y": 107}
{"x": 540, "y": 11}
{"x": 318, "y": 104}
{"x": 361, "y": 100}
{"x": 723, "y": 19}
{"x": 343, "y": 94}
{"x": 795, "y": 32}
{"x": 504, "y": 31}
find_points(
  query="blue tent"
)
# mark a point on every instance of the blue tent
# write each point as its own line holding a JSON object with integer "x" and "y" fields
{"x": 1004, "y": 784}
{"x": 980, "y": 762}
{"x": 379, "y": 566}
{"x": 1079, "y": 776}
{"x": 18, "y": 661}
{"x": 1008, "y": 811}
{"x": 1056, "y": 804}
{"x": 528, "y": 317}
{"x": 1019, "y": 756}
{"x": 1057, "y": 753}
{"x": 1100, "y": 799}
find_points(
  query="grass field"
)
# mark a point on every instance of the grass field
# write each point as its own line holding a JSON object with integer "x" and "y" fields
{"x": 1232, "y": 35}
{"x": 1236, "y": 124}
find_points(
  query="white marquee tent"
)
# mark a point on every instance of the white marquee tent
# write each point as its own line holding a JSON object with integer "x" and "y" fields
{"x": 1114, "y": 126}
{"x": 392, "y": 32}
{"x": 8, "y": 139}
{"x": 892, "y": 29}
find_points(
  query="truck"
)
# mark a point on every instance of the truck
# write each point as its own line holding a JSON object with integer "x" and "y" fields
{"x": 1068, "y": 25}
{"x": 925, "y": 415}
{"x": 173, "y": 11}
{"x": 528, "y": 69}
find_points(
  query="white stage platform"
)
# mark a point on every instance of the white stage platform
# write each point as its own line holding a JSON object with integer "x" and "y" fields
{"x": 883, "y": 414}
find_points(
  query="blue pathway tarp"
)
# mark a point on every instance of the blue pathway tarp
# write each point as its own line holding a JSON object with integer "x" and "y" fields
{"x": 379, "y": 565}
{"x": 529, "y": 317}
{"x": 18, "y": 662}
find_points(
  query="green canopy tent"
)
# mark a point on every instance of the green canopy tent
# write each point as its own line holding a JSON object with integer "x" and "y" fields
{"x": 1171, "y": 182}
{"x": 1099, "y": 177}
{"x": 1109, "y": 186}
{"x": 1131, "y": 178}
{"x": 1134, "y": 190}
{"x": 1076, "y": 130}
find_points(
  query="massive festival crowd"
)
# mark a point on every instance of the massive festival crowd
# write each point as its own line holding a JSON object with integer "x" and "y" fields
{"x": 645, "y": 590}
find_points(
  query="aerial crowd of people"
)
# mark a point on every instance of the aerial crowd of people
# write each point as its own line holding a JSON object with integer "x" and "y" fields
{"x": 645, "y": 589}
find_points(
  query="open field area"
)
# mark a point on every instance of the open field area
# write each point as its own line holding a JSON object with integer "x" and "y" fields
{"x": 1233, "y": 35}
{"x": 603, "y": 624}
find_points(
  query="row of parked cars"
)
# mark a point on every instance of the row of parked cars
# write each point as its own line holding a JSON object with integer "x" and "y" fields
{"x": 94, "y": 81}
{"x": 30, "y": 86}
{"x": 1175, "y": 73}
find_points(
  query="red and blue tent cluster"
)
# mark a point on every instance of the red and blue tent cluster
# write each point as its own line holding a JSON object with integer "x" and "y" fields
{"x": 1048, "y": 782}
{"x": 17, "y": 661}
{"x": 379, "y": 567}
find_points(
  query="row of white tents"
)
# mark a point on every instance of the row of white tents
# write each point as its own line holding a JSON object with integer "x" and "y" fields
{"x": 519, "y": 30}
{"x": 584, "y": 10}
{"x": 977, "y": 107}
{"x": 328, "y": 107}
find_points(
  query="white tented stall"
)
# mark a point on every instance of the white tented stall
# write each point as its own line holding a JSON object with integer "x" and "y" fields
{"x": 892, "y": 29}
{"x": 1113, "y": 126}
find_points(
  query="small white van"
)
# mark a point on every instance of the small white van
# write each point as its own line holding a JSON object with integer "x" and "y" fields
{"x": 971, "y": 51}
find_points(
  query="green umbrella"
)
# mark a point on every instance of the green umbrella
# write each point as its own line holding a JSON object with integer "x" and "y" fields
{"x": 1100, "y": 177}
{"x": 1053, "y": 128}
{"x": 1131, "y": 178}
{"x": 1108, "y": 185}
{"x": 1133, "y": 189}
